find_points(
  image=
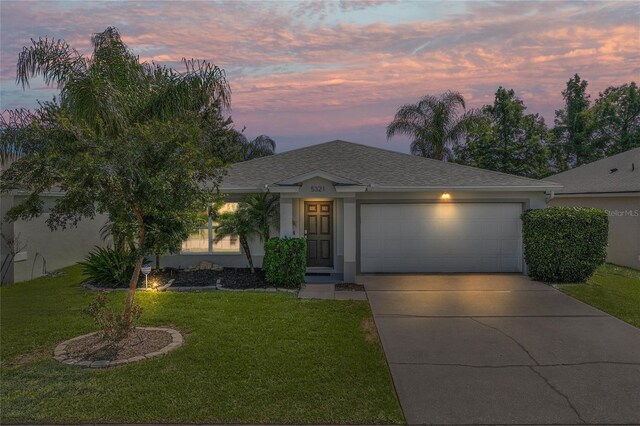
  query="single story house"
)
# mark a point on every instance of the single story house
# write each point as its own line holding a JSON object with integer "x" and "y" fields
{"x": 368, "y": 210}
{"x": 611, "y": 184}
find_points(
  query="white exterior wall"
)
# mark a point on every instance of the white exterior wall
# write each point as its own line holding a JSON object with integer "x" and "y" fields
{"x": 624, "y": 225}
{"x": 50, "y": 250}
{"x": 45, "y": 250}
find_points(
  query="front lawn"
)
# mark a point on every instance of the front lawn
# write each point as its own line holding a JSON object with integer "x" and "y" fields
{"x": 247, "y": 358}
{"x": 613, "y": 289}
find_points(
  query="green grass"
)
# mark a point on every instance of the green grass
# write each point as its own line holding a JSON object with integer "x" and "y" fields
{"x": 247, "y": 358}
{"x": 613, "y": 289}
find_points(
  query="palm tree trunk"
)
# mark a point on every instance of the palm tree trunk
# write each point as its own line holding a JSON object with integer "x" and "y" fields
{"x": 247, "y": 252}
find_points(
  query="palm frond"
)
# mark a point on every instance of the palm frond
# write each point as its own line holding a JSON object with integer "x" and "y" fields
{"x": 433, "y": 123}
{"x": 54, "y": 60}
{"x": 261, "y": 146}
{"x": 13, "y": 126}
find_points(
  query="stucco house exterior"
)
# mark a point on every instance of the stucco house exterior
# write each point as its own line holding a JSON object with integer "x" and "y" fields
{"x": 38, "y": 250}
{"x": 369, "y": 210}
{"x": 611, "y": 184}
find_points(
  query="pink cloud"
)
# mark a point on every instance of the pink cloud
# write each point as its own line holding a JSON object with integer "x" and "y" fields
{"x": 291, "y": 74}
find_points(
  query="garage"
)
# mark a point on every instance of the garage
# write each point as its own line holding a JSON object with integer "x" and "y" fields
{"x": 440, "y": 237}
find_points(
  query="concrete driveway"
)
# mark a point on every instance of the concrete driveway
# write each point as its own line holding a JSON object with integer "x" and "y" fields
{"x": 502, "y": 349}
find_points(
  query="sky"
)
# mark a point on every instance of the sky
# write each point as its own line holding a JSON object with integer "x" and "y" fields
{"x": 308, "y": 72}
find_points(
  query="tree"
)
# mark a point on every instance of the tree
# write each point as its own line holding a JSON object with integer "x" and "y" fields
{"x": 128, "y": 139}
{"x": 245, "y": 150}
{"x": 264, "y": 210}
{"x": 262, "y": 146}
{"x": 239, "y": 223}
{"x": 507, "y": 140}
{"x": 436, "y": 124}
{"x": 615, "y": 118}
{"x": 572, "y": 123}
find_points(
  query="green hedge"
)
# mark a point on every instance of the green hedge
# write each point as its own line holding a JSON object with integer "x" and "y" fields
{"x": 564, "y": 244}
{"x": 285, "y": 261}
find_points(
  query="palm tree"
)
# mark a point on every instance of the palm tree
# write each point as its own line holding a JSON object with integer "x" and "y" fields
{"x": 13, "y": 126}
{"x": 111, "y": 91}
{"x": 241, "y": 224}
{"x": 436, "y": 124}
{"x": 264, "y": 209}
{"x": 262, "y": 146}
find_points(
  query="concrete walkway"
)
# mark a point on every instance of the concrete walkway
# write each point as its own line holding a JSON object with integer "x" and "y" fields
{"x": 328, "y": 292}
{"x": 502, "y": 349}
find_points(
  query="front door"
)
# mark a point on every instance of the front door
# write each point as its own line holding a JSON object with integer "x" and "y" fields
{"x": 318, "y": 228}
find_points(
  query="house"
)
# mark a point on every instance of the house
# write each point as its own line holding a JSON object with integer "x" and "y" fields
{"x": 611, "y": 184}
{"x": 29, "y": 249}
{"x": 369, "y": 210}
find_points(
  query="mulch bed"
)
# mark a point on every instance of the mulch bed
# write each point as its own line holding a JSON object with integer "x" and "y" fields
{"x": 139, "y": 343}
{"x": 239, "y": 278}
{"x": 349, "y": 287}
{"x": 159, "y": 278}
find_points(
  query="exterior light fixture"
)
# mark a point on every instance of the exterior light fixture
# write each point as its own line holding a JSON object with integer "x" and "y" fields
{"x": 445, "y": 196}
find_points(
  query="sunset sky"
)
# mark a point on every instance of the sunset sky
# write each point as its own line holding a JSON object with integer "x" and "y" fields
{"x": 309, "y": 72}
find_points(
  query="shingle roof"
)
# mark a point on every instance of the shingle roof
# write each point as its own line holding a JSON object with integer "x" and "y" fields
{"x": 369, "y": 166}
{"x": 600, "y": 177}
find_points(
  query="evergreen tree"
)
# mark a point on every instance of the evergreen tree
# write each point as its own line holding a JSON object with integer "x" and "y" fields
{"x": 615, "y": 119}
{"x": 572, "y": 124}
{"x": 508, "y": 140}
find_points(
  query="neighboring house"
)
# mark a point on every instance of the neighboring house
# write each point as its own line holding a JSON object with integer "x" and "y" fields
{"x": 37, "y": 249}
{"x": 369, "y": 210}
{"x": 611, "y": 184}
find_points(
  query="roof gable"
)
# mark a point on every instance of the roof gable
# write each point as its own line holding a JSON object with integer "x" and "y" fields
{"x": 294, "y": 180}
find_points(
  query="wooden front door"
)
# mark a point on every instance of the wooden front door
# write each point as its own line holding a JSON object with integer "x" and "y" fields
{"x": 318, "y": 228}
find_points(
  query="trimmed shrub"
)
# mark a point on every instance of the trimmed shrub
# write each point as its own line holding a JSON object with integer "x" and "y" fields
{"x": 564, "y": 244}
{"x": 107, "y": 267}
{"x": 285, "y": 261}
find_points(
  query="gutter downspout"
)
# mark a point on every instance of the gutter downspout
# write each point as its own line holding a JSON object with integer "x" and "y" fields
{"x": 550, "y": 196}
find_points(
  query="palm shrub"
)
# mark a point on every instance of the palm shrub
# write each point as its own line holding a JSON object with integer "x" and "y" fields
{"x": 285, "y": 261}
{"x": 241, "y": 224}
{"x": 264, "y": 209}
{"x": 108, "y": 267}
{"x": 564, "y": 244}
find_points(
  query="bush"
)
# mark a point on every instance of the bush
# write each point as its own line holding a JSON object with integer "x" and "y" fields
{"x": 564, "y": 244}
{"x": 107, "y": 267}
{"x": 115, "y": 327}
{"x": 285, "y": 261}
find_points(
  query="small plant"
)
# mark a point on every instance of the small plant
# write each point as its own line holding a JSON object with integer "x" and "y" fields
{"x": 239, "y": 223}
{"x": 108, "y": 267}
{"x": 285, "y": 261}
{"x": 115, "y": 327}
{"x": 564, "y": 244}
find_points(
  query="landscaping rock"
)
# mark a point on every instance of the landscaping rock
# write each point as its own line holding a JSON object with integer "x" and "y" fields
{"x": 206, "y": 265}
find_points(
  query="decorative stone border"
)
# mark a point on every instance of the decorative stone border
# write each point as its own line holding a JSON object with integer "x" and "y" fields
{"x": 217, "y": 287}
{"x": 60, "y": 352}
{"x": 222, "y": 288}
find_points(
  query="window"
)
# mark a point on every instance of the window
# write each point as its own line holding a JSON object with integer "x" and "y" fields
{"x": 201, "y": 239}
{"x": 229, "y": 244}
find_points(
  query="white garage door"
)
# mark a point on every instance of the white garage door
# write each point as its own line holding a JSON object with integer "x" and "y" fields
{"x": 441, "y": 237}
